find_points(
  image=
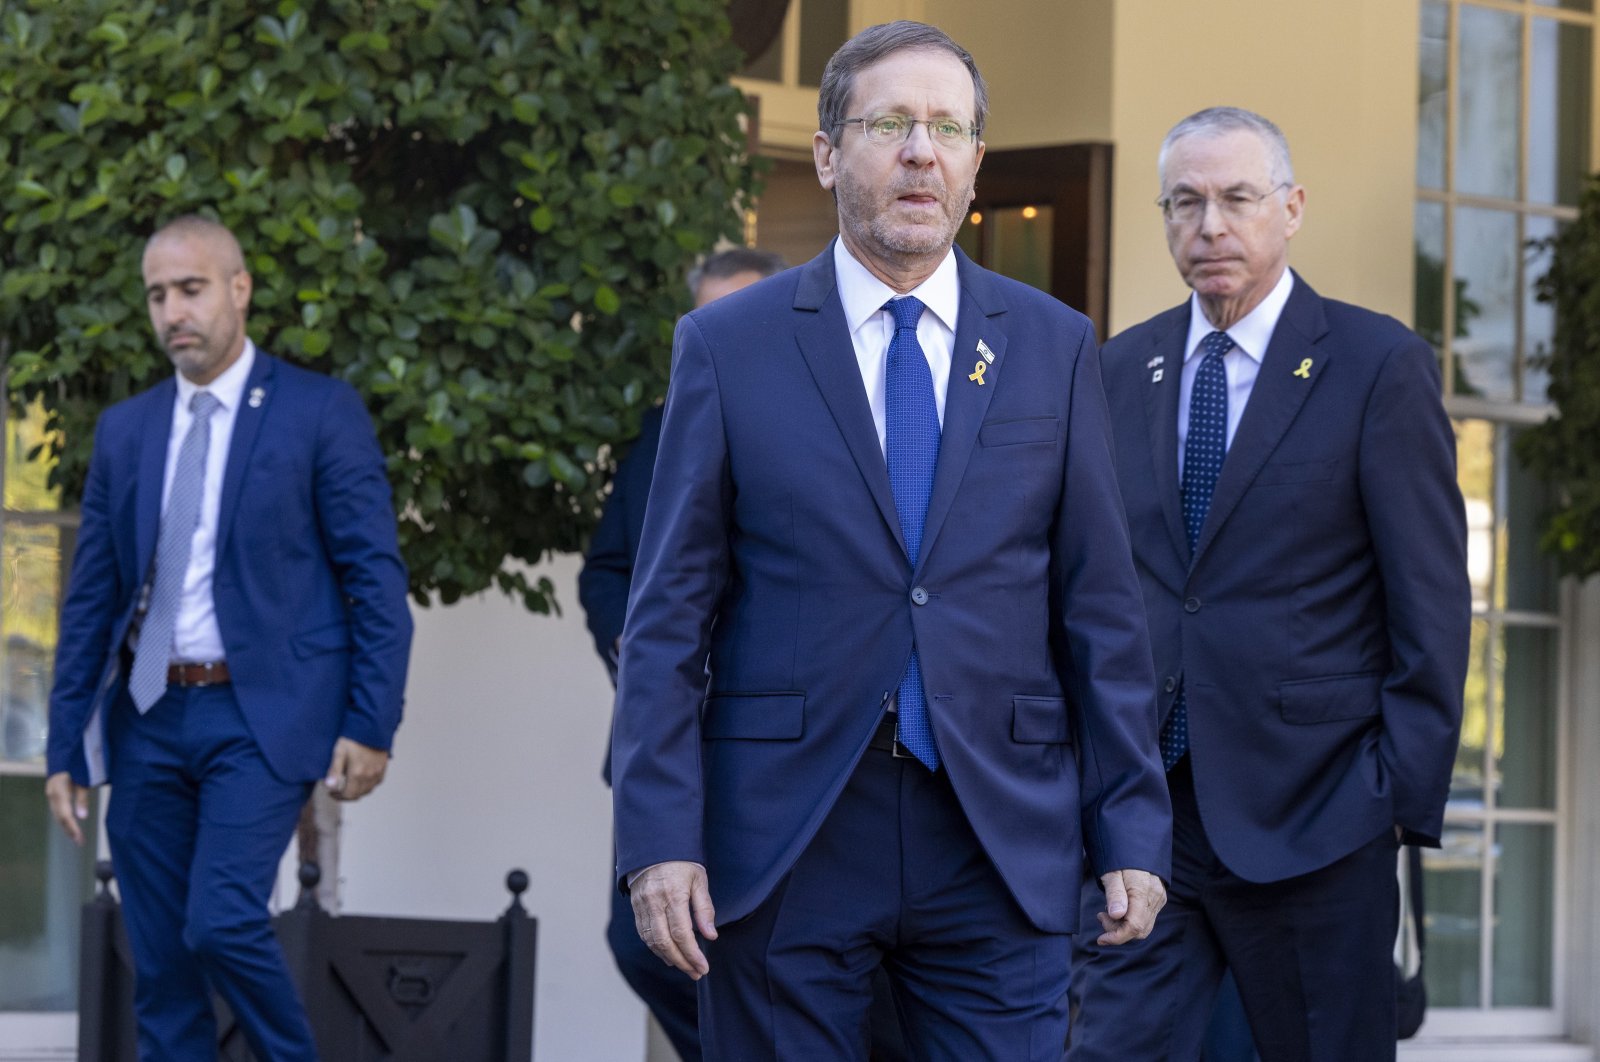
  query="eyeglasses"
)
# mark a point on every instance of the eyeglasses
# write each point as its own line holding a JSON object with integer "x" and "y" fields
{"x": 1186, "y": 207}
{"x": 896, "y": 129}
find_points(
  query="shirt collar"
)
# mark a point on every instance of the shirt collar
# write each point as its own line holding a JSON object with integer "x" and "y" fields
{"x": 864, "y": 294}
{"x": 1252, "y": 332}
{"x": 227, "y": 389}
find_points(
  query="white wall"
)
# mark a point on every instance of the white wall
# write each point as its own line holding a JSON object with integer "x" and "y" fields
{"x": 497, "y": 765}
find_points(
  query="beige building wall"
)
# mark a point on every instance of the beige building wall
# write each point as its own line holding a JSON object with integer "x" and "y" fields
{"x": 1340, "y": 79}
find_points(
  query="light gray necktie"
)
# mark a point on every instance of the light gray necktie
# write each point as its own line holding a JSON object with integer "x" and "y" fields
{"x": 148, "y": 680}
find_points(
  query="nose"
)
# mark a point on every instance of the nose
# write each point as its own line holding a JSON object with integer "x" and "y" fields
{"x": 918, "y": 147}
{"x": 1212, "y": 221}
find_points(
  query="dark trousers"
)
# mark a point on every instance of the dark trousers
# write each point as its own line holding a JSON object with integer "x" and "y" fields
{"x": 666, "y": 990}
{"x": 894, "y": 879}
{"x": 197, "y": 824}
{"x": 1312, "y": 956}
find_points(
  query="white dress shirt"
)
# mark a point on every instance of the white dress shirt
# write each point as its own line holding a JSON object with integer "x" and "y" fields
{"x": 872, "y": 327}
{"x": 1250, "y": 334}
{"x": 195, "y": 635}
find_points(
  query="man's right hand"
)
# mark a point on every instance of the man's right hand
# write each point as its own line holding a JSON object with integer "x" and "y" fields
{"x": 69, "y": 803}
{"x": 671, "y": 901}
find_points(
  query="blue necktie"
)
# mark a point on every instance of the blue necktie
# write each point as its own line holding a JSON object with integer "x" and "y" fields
{"x": 148, "y": 679}
{"x": 1203, "y": 451}
{"x": 911, "y": 434}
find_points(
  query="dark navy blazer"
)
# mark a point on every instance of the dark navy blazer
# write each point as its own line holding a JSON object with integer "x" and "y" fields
{"x": 1321, "y": 626}
{"x": 309, "y": 587}
{"x": 771, "y": 547}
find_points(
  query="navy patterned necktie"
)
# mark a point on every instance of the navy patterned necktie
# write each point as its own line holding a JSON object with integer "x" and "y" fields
{"x": 1203, "y": 451}
{"x": 911, "y": 444}
{"x": 148, "y": 678}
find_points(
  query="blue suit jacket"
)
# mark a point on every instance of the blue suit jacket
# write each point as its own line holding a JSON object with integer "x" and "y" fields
{"x": 309, "y": 587}
{"x": 1321, "y": 625}
{"x": 771, "y": 547}
{"x": 607, "y": 574}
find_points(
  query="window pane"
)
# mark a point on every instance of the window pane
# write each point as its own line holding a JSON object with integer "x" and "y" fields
{"x": 1428, "y": 319}
{"x": 30, "y": 579}
{"x": 1432, "y": 98}
{"x": 1570, "y": 5}
{"x": 1466, "y": 780}
{"x": 1475, "y": 474}
{"x": 1558, "y": 111}
{"x": 1452, "y": 892}
{"x": 1523, "y": 904}
{"x": 1486, "y": 253}
{"x": 1526, "y": 758}
{"x": 768, "y": 66}
{"x": 824, "y": 25}
{"x": 1528, "y": 572}
{"x": 1019, "y": 243}
{"x": 1489, "y": 101}
{"x": 44, "y": 879}
{"x": 1538, "y": 318}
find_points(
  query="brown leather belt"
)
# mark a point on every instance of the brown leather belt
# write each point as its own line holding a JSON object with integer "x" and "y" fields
{"x": 214, "y": 673}
{"x": 883, "y": 739}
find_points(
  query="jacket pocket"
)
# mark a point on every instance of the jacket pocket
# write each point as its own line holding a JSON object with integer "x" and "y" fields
{"x": 754, "y": 716}
{"x": 1013, "y": 432}
{"x": 1330, "y": 699}
{"x": 1040, "y": 721}
{"x": 333, "y": 637}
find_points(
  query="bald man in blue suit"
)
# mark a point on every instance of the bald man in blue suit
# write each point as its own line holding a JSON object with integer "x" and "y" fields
{"x": 235, "y": 628}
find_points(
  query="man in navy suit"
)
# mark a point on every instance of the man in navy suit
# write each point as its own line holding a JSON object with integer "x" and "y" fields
{"x": 603, "y": 587}
{"x": 885, "y": 519}
{"x": 235, "y": 628}
{"x": 1289, "y": 475}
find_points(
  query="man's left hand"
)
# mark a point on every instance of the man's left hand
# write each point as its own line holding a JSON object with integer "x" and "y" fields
{"x": 1132, "y": 899}
{"x": 355, "y": 771}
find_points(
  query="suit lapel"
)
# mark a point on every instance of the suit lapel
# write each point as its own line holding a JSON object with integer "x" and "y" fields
{"x": 966, "y": 402}
{"x": 1275, "y": 400}
{"x": 246, "y": 426}
{"x": 825, "y": 343}
{"x": 152, "y": 472}
{"x": 1161, "y": 416}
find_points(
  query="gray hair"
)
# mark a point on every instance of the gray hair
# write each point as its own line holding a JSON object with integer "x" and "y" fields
{"x": 204, "y": 228}
{"x": 1215, "y": 121}
{"x": 879, "y": 42}
{"x": 732, "y": 262}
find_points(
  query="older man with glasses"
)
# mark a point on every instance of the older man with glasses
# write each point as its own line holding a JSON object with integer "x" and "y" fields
{"x": 885, "y": 519}
{"x": 1289, "y": 473}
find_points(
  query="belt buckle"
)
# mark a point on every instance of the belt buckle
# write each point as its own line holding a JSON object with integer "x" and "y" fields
{"x": 898, "y": 751}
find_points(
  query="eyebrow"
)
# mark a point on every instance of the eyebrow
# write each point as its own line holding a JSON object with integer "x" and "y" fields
{"x": 178, "y": 283}
{"x": 1184, "y": 187}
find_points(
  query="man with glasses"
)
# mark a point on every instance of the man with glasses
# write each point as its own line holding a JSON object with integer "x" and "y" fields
{"x": 1289, "y": 475}
{"x": 885, "y": 518}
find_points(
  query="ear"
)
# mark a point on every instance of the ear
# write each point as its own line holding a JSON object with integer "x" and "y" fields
{"x": 822, "y": 152}
{"x": 239, "y": 289}
{"x": 1294, "y": 205}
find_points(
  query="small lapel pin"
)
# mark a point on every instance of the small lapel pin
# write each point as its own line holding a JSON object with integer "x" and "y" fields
{"x": 976, "y": 375}
{"x": 1159, "y": 359}
{"x": 1155, "y": 377}
{"x": 1304, "y": 371}
{"x": 257, "y": 394}
{"x": 988, "y": 355}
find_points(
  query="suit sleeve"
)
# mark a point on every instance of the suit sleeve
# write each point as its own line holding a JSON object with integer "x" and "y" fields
{"x": 1418, "y": 527}
{"x": 683, "y": 565}
{"x": 1126, "y": 813}
{"x": 88, "y": 614}
{"x": 355, "y": 515}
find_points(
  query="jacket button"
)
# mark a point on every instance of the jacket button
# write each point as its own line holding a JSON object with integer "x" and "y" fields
{"x": 1192, "y": 604}
{"x": 1171, "y": 684}
{"x": 919, "y": 596}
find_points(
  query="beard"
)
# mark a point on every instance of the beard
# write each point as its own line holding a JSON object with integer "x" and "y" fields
{"x": 870, "y": 215}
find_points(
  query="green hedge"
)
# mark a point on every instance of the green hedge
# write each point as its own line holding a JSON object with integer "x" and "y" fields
{"x": 1566, "y": 449}
{"x": 479, "y": 214}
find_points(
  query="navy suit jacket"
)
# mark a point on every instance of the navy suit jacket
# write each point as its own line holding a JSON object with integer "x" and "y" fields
{"x": 309, "y": 587}
{"x": 1320, "y": 628}
{"x": 771, "y": 548}
{"x": 607, "y": 574}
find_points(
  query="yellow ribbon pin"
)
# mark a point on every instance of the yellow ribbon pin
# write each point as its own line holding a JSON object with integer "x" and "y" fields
{"x": 977, "y": 372}
{"x": 1304, "y": 371}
